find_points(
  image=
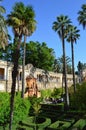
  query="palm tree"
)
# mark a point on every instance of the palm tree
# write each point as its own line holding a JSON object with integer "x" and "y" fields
{"x": 82, "y": 16}
{"x": 3, "y": 29}
{"x": 82, "y": 20}
{"x": 2, "y": 9}
{"x": 61, "y": 61}
{"x": 28, "y": 27}
{"x": 59, "y": 26}
{"x": 57, "y": 66}
{"x": 72, "y": 36}
{"x": 21, "y": 19}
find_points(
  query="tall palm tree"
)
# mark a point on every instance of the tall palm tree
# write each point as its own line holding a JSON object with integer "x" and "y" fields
{"x": 72, "y": 36}
{"x": 21, "y": 19}
{"x": 3, "y": 29}
{"x": 28, "y": 28}
{"x": 82, "y": 16}
{"x": 59, "y": 26}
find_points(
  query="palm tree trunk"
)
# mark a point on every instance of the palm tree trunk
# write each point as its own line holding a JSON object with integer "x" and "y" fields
{"x": 23, "y": 68}
{"x": 65, "y": 73}
{"x": 73, "y": 70}
{"x": 7, "y": 76}
{"x": 62, "y": 84}
{"x": 14, "y": 75}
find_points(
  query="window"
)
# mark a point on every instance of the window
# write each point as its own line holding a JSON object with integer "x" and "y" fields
{"x": 1, "y": 73}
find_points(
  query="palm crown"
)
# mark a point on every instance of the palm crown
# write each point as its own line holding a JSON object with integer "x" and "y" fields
{"x": 61, "y": 23}
{"x": 82, "y": 16}
{"x": 22, "y": 19}
{"x": 73, "y": 33}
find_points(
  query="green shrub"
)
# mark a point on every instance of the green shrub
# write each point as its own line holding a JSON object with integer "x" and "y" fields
{"x": 54, "y": 125}
{"x": 78, "y": 99}
{"x": 60, "y": 125}
{"x": 21, "y": 108}
{"x": 80, "y": 124}
{"x": 30, "y": 123}
{"x": 35, "y": 105}
{"x": 4, "y": 108}
{"x": 46, "y": 93}
{"x": 56, "y": 93}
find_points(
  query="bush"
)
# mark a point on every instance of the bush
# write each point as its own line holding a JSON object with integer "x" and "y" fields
{"x": 40, "y": 125}
{"x": 56, "y": 93}
{"x": 78, "y": 99}
{"x": 4, "y": 108}
{"x": 80, "y": 124}
{"x": 35, "y": 105}
{"x": 21, "y": 108}
{"x": 60, "y": 125}
{"x": 46, "y": 93}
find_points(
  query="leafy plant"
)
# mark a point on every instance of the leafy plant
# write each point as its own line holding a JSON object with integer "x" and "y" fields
{"x": 56, "y": 93}
{"x": 4, "y": 108}
{"x": 21, "y": 108}
{"x": 46, "y": 93}
{"x": 78, "y": 99}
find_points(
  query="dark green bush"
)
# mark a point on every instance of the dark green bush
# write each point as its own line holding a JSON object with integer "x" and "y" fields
{"x": 30, "y": 122}
{"x": 21, "y": 108}
{"x": 60, "y": 125}
{"x": 4, "y": 108}
{"x": 79, "y": 124}
{"x": 78, "y": 99}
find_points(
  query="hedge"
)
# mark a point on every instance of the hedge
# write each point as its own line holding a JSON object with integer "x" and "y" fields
{"x": 40, "y": 126}
{"x": 59, "y": 125}
{"x": 80, "y": 124}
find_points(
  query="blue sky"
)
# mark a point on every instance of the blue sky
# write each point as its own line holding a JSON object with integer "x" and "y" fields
{"x": 46, "y": 12}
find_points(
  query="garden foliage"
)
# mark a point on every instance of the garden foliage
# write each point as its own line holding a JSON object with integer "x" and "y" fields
{"x": 78, "y": 99}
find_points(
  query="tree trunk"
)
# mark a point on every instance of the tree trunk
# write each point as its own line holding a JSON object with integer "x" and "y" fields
{"x": 7, "y": 76}
{"x": 62, "y": 84}
{"x": 73, "y": 70}
{"x": 65, "y": 73}
{"x": 14, "y": 75}
{"x": 23, "y": 68}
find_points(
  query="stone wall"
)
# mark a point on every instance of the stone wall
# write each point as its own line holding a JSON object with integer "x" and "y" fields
{"x": 45, "y": 80}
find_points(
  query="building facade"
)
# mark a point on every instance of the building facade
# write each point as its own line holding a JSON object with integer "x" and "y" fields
{"x": 44, "y": 80}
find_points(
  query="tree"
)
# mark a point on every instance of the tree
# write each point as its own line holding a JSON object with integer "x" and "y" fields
{"x": 72, "y": 36}
{"x": 82, "y": 19}
{"x": 67, "y": 60}
{"x": 56, "y": 66}
{"x": 17, "y": 19}
{"x": 36, "y": 51}
{"x": 68, "y": 65}
{"x": 32, "y": 53}
{"x": 59, "y": 26}
{"x": 81, "y": 66}
{"x": 82, "y": 16}
{"x": 28, "y": 27}
{"x": 3, "y": 29}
